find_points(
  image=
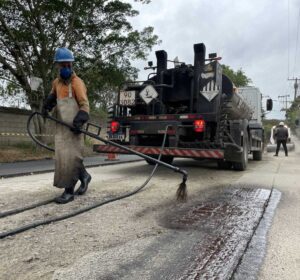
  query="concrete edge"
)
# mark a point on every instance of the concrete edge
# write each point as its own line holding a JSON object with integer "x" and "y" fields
{"x": 51, "y": 170}
{"x": 27, "y": 160}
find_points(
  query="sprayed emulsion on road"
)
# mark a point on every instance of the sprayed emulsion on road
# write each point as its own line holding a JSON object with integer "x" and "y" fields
{"x": 206, "y": 238}
{"x": 253, "y": 258}
{"x": 227, "y": 222}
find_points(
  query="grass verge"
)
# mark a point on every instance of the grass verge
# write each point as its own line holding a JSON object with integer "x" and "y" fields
{"x": 28, "y": 151}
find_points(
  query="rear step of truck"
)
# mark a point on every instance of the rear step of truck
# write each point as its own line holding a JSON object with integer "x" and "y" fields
{"x": 175, "y": 152}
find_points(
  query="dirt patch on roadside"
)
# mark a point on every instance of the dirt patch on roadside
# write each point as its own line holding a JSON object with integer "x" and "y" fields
{"x": 13, "y": 154}
{"x": 10, "y": 154}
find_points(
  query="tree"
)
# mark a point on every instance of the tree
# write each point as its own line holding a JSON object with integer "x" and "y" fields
{"x": 97, "y": 31}
{"x": 238, "y": 77}
{"x": 293, "y": 114}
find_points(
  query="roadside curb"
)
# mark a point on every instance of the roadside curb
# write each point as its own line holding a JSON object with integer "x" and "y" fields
{"x": 27, "y": 160}
{"x": 52, "y": 169}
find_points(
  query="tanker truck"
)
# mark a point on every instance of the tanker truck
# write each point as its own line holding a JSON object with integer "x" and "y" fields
{"x": 203, "y": 114}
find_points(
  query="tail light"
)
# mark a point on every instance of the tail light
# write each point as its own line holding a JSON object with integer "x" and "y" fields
{"x": 114, "y": 126}
{"x": 199, "y": 125}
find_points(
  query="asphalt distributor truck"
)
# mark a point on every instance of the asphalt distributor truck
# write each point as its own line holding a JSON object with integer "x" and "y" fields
{"x": 202, "y": 111}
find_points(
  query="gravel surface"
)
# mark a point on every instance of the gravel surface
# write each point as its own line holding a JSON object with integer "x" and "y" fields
{"x": 37, "y": 253}
{"x": 115, "y": 240}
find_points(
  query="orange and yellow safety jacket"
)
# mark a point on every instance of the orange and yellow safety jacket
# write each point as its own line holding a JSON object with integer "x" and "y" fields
{"x": 61, "y": 89}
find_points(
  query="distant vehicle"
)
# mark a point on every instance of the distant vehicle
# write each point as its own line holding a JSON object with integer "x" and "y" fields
{"x": 271, "y": 147}
{"x": 206, "y": 115}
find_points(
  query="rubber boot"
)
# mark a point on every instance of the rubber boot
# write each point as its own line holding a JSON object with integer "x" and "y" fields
{"x": 85, "y": 178}
{"x": 67, "y": 196}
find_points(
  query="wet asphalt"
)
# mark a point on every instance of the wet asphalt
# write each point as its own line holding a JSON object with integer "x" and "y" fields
{"x": 205, "y": 240}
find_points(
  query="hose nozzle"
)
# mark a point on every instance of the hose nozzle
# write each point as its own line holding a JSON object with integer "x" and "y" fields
{"x": 181, "y": 193}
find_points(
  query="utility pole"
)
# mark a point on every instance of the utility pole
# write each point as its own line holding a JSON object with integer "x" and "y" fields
{"x": 285, "y": 101}
{"x": 295, "y": 86}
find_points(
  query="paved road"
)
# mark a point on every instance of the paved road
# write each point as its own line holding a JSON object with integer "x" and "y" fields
{"x": 47, "y": 165}
{"x": 150, "y": 235}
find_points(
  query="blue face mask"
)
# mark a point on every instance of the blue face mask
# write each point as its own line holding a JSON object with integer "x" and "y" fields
{"x": 65, "y": 73}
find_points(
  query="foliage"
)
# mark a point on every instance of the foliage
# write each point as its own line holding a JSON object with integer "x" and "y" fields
{"x": 97, "y": 31}
{"x": 238, "y": 77}
{"x": 293, "y": 114}
{"x": 100, "y": 113}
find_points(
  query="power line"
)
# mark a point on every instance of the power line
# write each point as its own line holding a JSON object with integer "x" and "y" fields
{"x": 296, "y": 49}
{"x": 296, "y": 52}
{"x": 288, "y": 38}
{"x": 285, "y": 101}
{"x": 295, "y": 86}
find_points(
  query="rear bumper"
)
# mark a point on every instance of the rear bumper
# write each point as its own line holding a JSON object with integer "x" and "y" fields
{"x": 174, "y": 152}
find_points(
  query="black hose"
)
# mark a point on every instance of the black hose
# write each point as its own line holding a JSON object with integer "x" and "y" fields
{"x": 80, "y": 211}
{"x": 182, "y": 190}
{"x": 26, "y": 208}
{"x": 33, "y": 137}
{"x": 95, "y": 136}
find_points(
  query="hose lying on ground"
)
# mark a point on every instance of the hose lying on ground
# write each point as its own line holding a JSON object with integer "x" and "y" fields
{"x": 182, "y": 190}
{"x": 83, "y": 210}
{"x": 26, "y": 208}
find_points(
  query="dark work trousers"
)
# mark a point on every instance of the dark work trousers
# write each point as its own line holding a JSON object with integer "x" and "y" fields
{"x": 283, "y": 142}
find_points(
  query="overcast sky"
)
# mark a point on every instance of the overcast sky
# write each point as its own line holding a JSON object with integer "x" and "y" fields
{"x": 248, "y": 34}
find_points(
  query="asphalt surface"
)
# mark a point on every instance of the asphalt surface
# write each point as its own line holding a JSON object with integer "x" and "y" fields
{"x": 47, "y": 165}
{"x": 235, "y": 225}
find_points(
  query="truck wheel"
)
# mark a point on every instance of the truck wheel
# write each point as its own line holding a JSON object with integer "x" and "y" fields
{"x": 224, "y": 165}
{"x": 166, "y": 159}
{"x": 242, "y": 165}
{"x": 257, "y": 155}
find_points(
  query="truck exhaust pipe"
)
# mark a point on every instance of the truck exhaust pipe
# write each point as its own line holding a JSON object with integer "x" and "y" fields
{"x": 162, "y": 62}
{"x": 199, "y": 61}
{"x": 162, "y": 66}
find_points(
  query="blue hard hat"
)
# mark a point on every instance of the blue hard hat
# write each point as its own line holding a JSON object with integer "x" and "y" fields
{"x": 63, "y": 54}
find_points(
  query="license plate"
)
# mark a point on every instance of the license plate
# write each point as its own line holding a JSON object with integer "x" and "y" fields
{"x": 116, "y": 136}
{"x": 127, "y": 98}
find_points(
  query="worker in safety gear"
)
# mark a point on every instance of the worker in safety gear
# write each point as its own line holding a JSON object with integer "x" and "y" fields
{"x": 281, "y": 136}
{"x": 69, "y": 95}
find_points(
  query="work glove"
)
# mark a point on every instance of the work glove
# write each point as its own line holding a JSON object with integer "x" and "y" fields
{"x": 49, "y": 104}
{"x": 80, "y": 119}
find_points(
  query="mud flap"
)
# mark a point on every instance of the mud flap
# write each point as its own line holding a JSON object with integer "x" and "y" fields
{"x": 232, "y": 154}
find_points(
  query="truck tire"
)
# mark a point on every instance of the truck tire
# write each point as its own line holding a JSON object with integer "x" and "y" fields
{"x": 166, "y": 159}
{"x": 242, "y": 164}
{"x": 257, "y": 155}
{"x": 224, "y": 165}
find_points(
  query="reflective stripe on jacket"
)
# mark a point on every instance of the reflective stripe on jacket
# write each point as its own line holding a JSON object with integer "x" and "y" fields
{"x": 61, "y": 89}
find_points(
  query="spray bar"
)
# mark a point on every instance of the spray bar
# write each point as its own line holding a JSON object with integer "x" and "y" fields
{"x": 174, "y": 168}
